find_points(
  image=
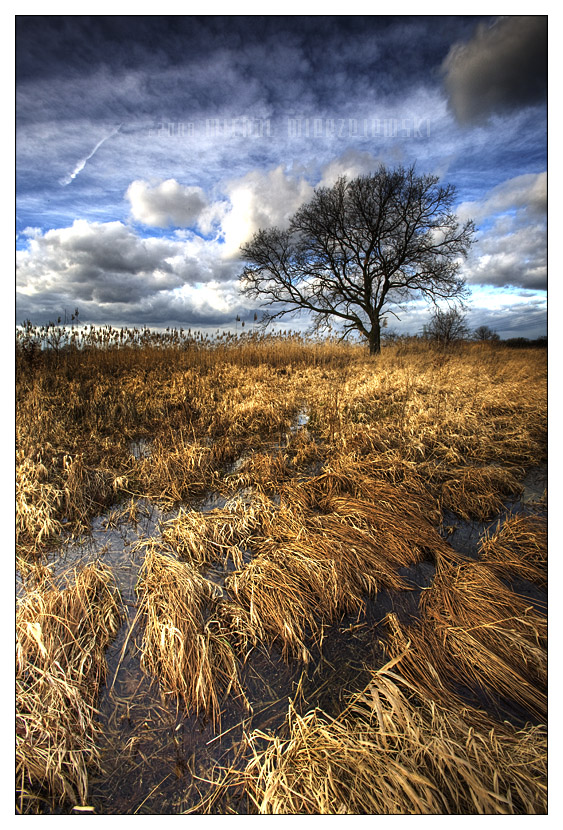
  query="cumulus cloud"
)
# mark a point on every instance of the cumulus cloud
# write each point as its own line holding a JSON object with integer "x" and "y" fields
{"x": 512, "y": 249}
{"x": 261, "y": 199}
{"x": 501, "y": 69}
{"x": 167, "y": 204}
{"x": 352, "y": 163}
{"x": 514, "y": 259}
{"x": 111, "y": 273}
{"x": 526, "y": 193}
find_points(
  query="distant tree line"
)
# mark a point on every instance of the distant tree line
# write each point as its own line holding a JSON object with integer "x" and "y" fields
{"x": 525, "y": 343}
{"x": 448, "y": 326}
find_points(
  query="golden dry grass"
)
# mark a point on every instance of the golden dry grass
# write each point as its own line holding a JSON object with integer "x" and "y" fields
{"x": 445, "y": 425}
{"x": 395, "y": 752}
{"x": 61, "y": 635}
{"x": 518, "y": 548}
{"x": 307, "y": 566}
{"x": 183, "y": 645}
{"x": 329, "y": 514}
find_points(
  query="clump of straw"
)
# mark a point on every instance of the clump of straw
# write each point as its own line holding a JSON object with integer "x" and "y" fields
{"x": 518, "y": 548}
{"x": 477, "y": 635}
{"x": 394, "y": 752}
{"x": 183, "y": 643}
{"x": 218, "y": 536}
{"x": 262, "y": 470}
{"x": 60, "y": 664}
{"x": 175, "y": 473}
{"x": 37, "y": 506}
{"x": 477, "y": 492}
{"x": 288, "y": 594}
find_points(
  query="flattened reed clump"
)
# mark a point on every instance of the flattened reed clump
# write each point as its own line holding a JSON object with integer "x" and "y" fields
{"x": 263, "y": 470}
{"x": 60, "y": 664}
{"x": 183, "y": 643}
{"x": 69, "y": 491}
{"x": 37, "y": 506}
{"x": 477, "y": 492}
{"x": 350, "y": 476}
{"x": 219, "y": 536}
{"x": 393, "y": 751}
{"x": 395, "y": 527}
{"x": 475, "y": 634}
{"x": 288, "y": 595}
{"x": 518, "y": 548}
{"x": 324, "y": 551}
{"x": 175, "y": 473}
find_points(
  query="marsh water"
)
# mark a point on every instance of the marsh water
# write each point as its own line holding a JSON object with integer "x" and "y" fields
{"x": 159, "y": 760}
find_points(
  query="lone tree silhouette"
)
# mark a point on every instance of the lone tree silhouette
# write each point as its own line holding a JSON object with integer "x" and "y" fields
{"x": 359, "y": 250}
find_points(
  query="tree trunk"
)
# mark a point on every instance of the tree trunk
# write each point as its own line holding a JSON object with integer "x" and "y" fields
{"x": 374, "y": 339}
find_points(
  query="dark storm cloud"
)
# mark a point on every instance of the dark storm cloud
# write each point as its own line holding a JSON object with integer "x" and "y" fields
{"x": 113, "y": 275}
{"x": 184, "y": 66}
{"x": 53, "y": 46}
{"x": 502, "y": 68}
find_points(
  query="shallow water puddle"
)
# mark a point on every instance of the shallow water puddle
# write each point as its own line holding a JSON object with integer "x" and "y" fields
{"x": 464, "y": 535}
{"x": 141, "y": 448}
{"x": 302, "y": 419}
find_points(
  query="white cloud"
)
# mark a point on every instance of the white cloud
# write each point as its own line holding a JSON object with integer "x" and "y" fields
{"x": 512, "y": 247}
{"x": 109, "y": 272}
{"x": 32, "y": 233}
{"x": 261, "y": 200}
{"x": 527, "y": 192}
{"x": 351, "y": 164}
{"x": 167, "y": 204}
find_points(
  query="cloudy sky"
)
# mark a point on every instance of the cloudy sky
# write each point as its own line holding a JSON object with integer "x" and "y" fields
{"x": 148, "y": 149}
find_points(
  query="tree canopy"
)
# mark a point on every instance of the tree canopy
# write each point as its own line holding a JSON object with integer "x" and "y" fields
{"x": 359, "y": 250}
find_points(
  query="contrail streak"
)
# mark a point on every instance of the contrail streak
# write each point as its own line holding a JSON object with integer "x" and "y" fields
{"x": 81, "y": 164}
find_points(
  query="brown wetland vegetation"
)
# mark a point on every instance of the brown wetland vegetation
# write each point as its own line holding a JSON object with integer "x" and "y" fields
{"x": 269, "y": 575}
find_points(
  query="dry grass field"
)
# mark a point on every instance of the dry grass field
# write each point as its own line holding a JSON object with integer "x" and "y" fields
{"x": 339, "y": 479}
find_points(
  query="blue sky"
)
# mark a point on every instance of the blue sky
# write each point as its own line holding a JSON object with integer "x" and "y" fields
{"x": 148, "y": 149}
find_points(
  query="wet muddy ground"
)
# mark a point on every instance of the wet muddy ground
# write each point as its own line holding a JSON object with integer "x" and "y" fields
{"x": 157, "y": 760}
{"x": 464, "y": 535}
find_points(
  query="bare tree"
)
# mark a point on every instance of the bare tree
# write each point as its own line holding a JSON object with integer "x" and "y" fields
{"x": 360, "y": 250}
{"x": 446, "y": 326}
{"x": 485, "y": 333}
